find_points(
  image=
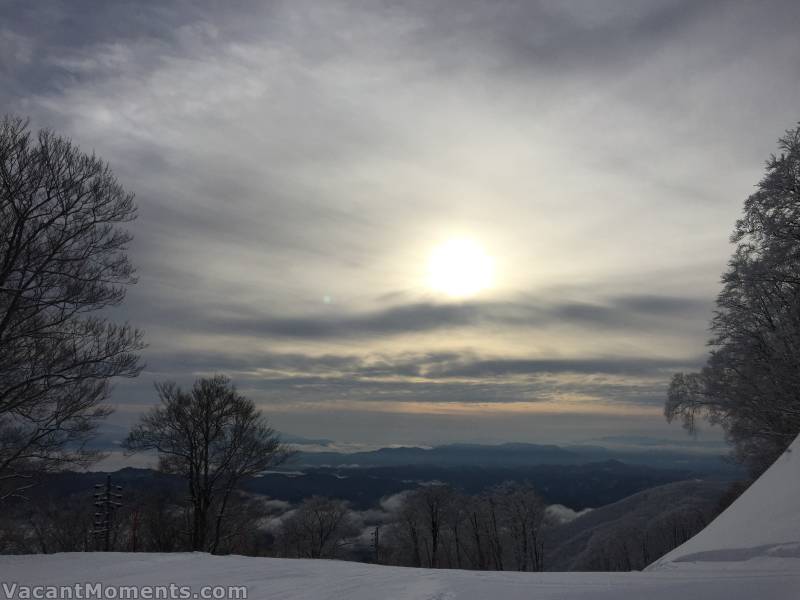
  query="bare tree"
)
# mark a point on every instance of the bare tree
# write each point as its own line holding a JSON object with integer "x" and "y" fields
{"x": 455, "y": 530}
{"x": 501, "y": 528}
{"x": 435, "y": 502}
{"x": 215, "y": 438}
{"x": 318, "y": 528}
{"x": 476, "y": 546}
{"x": 61, "y": 525}
{"x": 421, "y": 524}
{"x": 523, "y": 517}
{"x": 493, "y": 528}
{"x": 62, "y": 262}
{"x": 407, "y": 532}
{"x": 158, "y": 521}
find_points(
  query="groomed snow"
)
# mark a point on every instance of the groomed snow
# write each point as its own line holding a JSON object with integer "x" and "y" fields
{"x": 750, "y": 552}
{"x": 284, "y": 579}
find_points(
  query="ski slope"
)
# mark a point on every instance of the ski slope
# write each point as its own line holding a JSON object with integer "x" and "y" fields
{"x": 750, "y": 552}
{"x": 285, "y": 579}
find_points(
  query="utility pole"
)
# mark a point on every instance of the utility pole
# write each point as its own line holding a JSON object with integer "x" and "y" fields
{"x": 134, "y": 528}
{"x": 376, "y": 543}
{"x": 107, "y": 500}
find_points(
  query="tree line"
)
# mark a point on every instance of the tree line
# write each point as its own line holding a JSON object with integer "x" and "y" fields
{"x": 432, "y": 526}
{"x": 504, "y": 528}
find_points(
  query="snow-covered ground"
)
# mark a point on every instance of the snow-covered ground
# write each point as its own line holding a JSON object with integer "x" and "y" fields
{"x": 283, "y": 579}
{"x": 751, "y": 552}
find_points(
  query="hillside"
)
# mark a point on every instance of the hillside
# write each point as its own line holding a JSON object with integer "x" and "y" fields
{"x": 749, "y": 552}
{"x": 628, "y": 534}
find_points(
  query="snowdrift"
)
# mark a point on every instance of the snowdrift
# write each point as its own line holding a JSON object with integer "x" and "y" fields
{"x": 750, "y": 552}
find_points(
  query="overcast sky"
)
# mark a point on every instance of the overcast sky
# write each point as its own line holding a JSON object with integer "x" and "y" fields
{"x": 296, "y": 165}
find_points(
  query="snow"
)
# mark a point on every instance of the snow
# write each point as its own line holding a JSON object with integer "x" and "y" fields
{"x": 749, "y": 552}
{"x": 285, "y": 579}
{"x": 762, "y": 522}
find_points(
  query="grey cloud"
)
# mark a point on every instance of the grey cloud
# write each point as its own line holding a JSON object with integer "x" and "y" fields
{"x": 643, "y": 313}
{"x": 663, "y": 305}
{"x": 271, "y": 143}
{"x": 329, "y": 389}
{"x": 611, "y": 366}
{"x": 316, "y": 367}
{"x": 300, "y": 390}
{"x": 527, "y": 32}
{"x": 531, "y": 35}
{"x": 397, "y": 320}
{"x": 427, "y": 377}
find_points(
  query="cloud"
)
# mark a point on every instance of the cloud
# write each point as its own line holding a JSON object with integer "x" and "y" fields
{"x": 563, "y": 514}
{"x": 480, "y": 369}
{"x": 394, "y": 503}
{"x": 445, "y": 365}
{"x": 644, "y": 313}
{"x": 286, "y": 152}
{"x": 422, "y": 381}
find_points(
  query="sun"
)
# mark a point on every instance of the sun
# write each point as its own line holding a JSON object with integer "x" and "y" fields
{"x": 460, "y": 268}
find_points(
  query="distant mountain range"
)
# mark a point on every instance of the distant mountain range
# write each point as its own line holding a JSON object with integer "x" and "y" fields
{"x": 575, "y": 486}
{"x": 523, "y": 454}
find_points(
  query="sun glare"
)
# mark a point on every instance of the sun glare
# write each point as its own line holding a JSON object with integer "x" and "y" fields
{"x": 460, "y": 268}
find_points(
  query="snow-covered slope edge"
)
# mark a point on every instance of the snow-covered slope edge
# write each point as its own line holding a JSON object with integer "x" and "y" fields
{"x": 762, "y": 522}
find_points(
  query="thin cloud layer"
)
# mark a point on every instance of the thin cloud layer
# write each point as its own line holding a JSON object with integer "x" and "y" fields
{"x": 295, "y": 163}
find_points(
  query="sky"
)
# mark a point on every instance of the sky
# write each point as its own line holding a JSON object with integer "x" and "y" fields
{"x": 416, "y": 222}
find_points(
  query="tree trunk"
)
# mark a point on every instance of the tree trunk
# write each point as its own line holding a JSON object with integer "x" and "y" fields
{"x": 220, "y": 514}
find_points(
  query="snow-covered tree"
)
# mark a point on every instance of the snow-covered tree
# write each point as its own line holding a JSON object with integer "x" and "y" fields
{"x": 751, "y": 382}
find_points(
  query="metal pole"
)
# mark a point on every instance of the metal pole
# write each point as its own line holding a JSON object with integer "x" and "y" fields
{"x": 376, "y": 543}
{"x": 107, "y": 501}
{"x": 107, "y": 514}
